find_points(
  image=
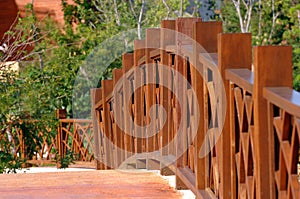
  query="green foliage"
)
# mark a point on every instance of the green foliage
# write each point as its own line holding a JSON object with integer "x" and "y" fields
{"x": 66, "y": 160}
{"x": 276, "y": 24}
{"x": 10, "y": 158}
{"x": 229, "y": 17}
{"x": 292, "y": 37}
{"x": 9, "y": 163}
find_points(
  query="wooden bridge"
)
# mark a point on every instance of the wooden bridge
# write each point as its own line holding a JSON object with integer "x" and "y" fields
{"x": 232, "y": 127}
{"x": 193, "y": 102}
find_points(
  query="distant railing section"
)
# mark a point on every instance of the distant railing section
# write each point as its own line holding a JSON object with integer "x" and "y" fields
{"x": 37, "y": 144}
{"x": 76, "y": 136}
{"x": 28, "y": 141}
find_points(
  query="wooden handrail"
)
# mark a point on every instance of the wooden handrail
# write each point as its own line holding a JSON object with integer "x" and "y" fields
{"x": 142, "y": 61}
{"x": 171, "y": 49}
{"x": 154, "y": 54}
{"x": 187, "y": 50}
{"x": 209, "y": 59}
{"x": 72, "y": 120}
{"x": 285, "y": 98}
{"x": 244, "y": 78}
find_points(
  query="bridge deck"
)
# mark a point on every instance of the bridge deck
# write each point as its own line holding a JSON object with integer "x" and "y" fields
{"x": 106, "y": 184}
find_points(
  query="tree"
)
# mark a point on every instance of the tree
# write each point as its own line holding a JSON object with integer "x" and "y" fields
{"x": 270, "y": 22}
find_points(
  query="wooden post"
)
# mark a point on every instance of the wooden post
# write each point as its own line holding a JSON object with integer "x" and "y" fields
{"x": 234, "y": 51}
{"x": 205, "y": 38}
{"x": 127, "y": 63}
{"x": 95, "y": 98}
{"x": 167, "y": 37}
{"x": 272, "y": 68}
{"x": 60, "y": 114}
{"x": 118, "y": 134}
{"x": 152, "y": 42}
{"x": 22, "y": 147}
{"x": 140, "y": 143}
{"x": 107, "y": 87}
{"x": 185, "y": 27}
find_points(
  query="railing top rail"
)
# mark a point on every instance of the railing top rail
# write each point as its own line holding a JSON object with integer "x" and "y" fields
{"x": 155, "y": 53}
{"x": 108, "y": 98}
{"x": 210, "y": 60}
{"x": 244, "y": 78}
{"x": 98, "y": 104}
{"x": 142, "y": 61}
{"x": 75, "y": 120}
{"x": 171, "y": 49}
{"x": 285, "y": 98}
{"x": 187, "y": 50}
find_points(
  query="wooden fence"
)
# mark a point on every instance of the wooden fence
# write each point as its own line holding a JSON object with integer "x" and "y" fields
{"x": 246, "y": 141}
{"x": 38, "y": 144}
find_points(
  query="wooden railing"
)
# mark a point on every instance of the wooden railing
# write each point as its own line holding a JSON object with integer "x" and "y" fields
{"x": 232, "y": 124}
{"x": 33, "y": 141}
{"x": 76, "y": 137}
{"x": 29, "y": 141}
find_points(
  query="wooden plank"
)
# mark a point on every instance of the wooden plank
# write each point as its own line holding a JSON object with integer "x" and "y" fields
{"x": 272, "y": 67}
